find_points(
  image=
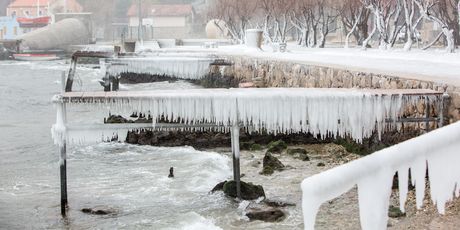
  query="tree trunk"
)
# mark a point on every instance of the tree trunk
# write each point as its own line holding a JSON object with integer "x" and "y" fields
{"x": 366, "y": 41}
{"x": 347, "y": 39}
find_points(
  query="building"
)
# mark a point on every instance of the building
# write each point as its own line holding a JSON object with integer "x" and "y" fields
{"x": 162, "y": 21}
{"x": 3, "y": 5}
{"x": 39, "y": 8}
{"x": 9, "y": 28}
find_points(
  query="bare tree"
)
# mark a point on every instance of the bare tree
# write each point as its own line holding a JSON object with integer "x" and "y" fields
{"x": 236, "y": 14}
{"x": 355, "y": 17}
{"x": 427, "y": 10}
{"x": 301, "y": 20}
{"x": 385, "y": 12}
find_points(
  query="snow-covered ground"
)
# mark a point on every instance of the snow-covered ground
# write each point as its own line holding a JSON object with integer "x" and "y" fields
{"x": 433, "y": 65}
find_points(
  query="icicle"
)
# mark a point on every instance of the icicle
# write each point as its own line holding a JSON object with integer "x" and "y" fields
{"x": 179, "y": 67}
{"x": 373, "y": 175}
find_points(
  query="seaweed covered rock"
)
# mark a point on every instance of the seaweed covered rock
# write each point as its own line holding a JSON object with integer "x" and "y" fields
{"x": 249, "y": 191}
{"x": 251, "y": 146}
{"x": 299, "y": 153}
{"x": 395, "y": 212}
{"x": 277, "y": 146}
{"x": 270, "y": 164}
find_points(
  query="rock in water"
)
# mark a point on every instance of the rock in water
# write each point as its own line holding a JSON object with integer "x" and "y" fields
{"x": 268, "y": 215}
{"x": 218, "y": 187}
{"x": 299, "y": 153}
{"x": 249, "y": 191}
{"x": 277, "y": 146}
{"x": 100, "y": 212}
{"x": 171, "y": 172}
{"x": 270, "y": 164}
{"x": 277, "y": 203}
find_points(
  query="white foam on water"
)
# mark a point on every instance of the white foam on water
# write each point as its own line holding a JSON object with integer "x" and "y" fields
{"x": 194, "y": 221}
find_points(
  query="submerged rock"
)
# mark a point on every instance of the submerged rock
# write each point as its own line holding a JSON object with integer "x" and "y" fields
{"x": 299, "y": 153}
{"x": 249, "y": 191}
{"x": 277, "y": 203}
{"x": 277, "y": 146}
{"x": 270, "y": 164}
{"x": 268, "y": 215}
{"x": 101, "y": 212}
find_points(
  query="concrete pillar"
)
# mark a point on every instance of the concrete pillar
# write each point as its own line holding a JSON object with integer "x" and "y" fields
{"x": 254, "y": 38}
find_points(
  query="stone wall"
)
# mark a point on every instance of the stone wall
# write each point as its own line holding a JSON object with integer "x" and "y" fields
{"x": 274, "y": 73}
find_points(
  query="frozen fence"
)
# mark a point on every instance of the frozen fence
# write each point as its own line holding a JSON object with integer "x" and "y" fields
{"x": 325, "y": 112}
{"x": 437, "y": 151}
{"x": 178, "y": 67}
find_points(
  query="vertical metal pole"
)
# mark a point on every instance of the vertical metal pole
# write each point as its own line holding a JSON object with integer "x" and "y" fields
{"x": 235, "y": 136}
{"x": 442, "y": 106}
{"x": 427, "y": 114}
{"x": 63, "y": 173}
{"x": 61, "y": 121}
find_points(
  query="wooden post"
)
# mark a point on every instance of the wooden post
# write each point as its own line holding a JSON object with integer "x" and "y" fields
{"x": 235, "y": 136}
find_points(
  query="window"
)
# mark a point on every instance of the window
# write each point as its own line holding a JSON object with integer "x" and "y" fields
{"x": 40, "y": 13}
{"x": 4, "y": 30}
{"x": 13, "y": 14}
{"x": 27, "y": 13}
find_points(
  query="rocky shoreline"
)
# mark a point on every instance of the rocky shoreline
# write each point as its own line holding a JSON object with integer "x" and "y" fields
{"x": 250, "y": 141}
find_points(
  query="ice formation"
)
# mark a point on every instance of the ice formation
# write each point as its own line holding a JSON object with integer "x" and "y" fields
{"x": 438, "y": 151}
{"x": 325, "y": 112}
{"x": 178, "y": 67}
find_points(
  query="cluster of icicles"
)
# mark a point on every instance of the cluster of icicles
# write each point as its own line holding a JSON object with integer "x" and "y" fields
{"x": 437, "y": 151}
{"x": 179, "y": 67}
{"x": 324, "y": 112}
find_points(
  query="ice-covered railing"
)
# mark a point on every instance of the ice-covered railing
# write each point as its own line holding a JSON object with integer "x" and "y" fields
{"x": 178, "y": 67}
{"x": 437, "y": 151}
{"x": 325, "y": 112}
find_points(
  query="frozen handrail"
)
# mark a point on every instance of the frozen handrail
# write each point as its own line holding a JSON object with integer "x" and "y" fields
{"x": 373, "y": 174}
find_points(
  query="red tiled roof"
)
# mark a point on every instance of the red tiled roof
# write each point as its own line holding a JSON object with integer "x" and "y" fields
{"x": 71, "y": 4}
{"x": 29, "y": 3}
{"x": 161, "y": 10}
